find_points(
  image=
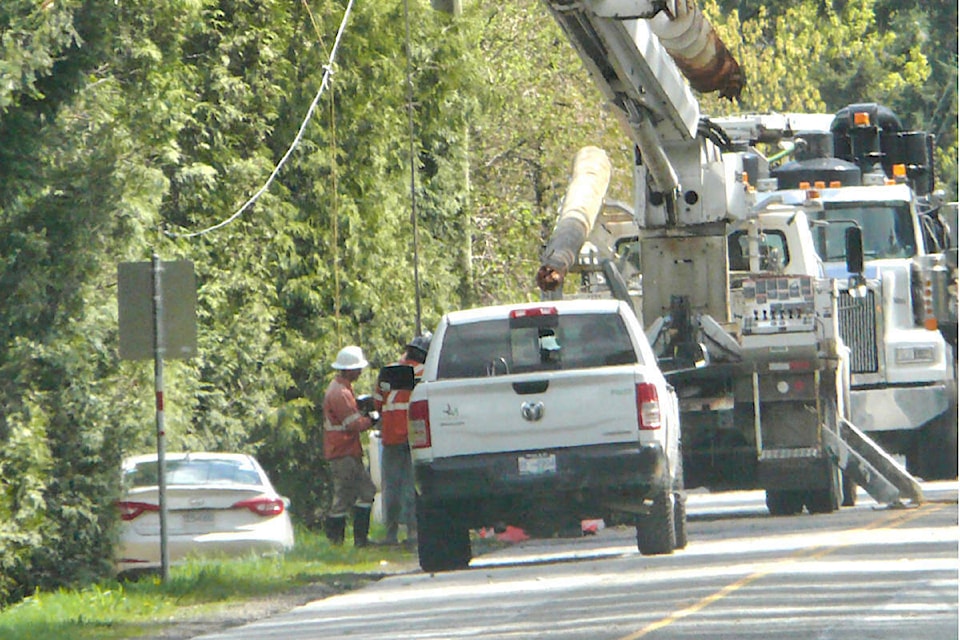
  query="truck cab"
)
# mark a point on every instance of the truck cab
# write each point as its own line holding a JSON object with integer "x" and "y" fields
{"x": 897, "y": 317}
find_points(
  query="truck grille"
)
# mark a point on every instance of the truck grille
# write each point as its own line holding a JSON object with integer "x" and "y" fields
{"x": 858, "y": 328}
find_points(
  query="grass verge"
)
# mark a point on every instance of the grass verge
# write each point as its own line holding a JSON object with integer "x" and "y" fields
{"x": 118, "y": 610}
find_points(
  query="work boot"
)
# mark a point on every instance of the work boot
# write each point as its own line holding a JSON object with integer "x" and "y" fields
{"x": 361, "y": 526}
{"x": 334, "y": 528}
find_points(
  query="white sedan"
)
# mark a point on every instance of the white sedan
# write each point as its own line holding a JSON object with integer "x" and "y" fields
{"x": 217, "y": 504}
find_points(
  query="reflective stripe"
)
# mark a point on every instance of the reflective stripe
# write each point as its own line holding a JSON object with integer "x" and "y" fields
{"x": 391, "y": 404}
{"x": 346, "y": 423}
{"x": 353, "y": 417}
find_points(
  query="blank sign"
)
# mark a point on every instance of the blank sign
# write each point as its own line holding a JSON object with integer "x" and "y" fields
{"x": 178, "y": 320}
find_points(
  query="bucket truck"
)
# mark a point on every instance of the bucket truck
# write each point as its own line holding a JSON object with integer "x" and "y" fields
{"x": 728, "y": 284}
{"x": 899, "y": 319}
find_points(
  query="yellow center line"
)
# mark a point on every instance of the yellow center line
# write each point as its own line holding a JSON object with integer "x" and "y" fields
{"x": 894, "y": 520}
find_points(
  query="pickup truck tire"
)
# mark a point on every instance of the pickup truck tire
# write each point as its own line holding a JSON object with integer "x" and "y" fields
{"x": 656, "y": 531}
{"x": 443, "y": 544}
{"x": 784, "y": 502}
{"x": 679, "y": 521}
{"x": 679, "y": 508}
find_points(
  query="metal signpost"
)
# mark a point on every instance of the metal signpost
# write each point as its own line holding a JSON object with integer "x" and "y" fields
{"x": 157, "y": 304}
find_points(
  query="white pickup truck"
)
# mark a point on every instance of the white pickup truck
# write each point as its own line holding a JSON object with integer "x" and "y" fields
{"x": 540, "y": 415}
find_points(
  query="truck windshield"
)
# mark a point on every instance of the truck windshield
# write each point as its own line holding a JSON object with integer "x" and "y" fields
{"x": 770, "y": 247}
{"x": 887, "y": 230}
{"x": 572, "y": 341}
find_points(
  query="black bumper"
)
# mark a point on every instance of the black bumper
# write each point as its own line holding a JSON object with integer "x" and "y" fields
{"x": 584, "y": 478}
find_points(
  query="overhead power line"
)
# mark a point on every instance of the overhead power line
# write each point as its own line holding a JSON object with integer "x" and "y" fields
{"x": 327, "y": 72}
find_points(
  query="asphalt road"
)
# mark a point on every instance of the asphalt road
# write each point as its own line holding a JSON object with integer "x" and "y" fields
{"x": 866, "y": 572}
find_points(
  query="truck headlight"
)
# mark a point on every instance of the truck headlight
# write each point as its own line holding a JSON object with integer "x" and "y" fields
{"x": 915, "y": 354}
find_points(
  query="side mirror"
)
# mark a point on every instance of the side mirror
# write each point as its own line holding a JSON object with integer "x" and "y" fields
{"x": 396, "y": 377}
{"x": 854, "y": 249}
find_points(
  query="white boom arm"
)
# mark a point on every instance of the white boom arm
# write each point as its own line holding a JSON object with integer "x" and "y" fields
{"x": 644, "y": 56}
{"x": 638, "y": 52}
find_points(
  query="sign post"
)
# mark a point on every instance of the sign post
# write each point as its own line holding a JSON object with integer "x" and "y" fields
{"x": 161, "y": 434}
{"x": 157, "y": 311}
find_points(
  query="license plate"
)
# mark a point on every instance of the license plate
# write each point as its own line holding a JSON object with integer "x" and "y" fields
{"x": 537, "y": 464}
{"x": 193, "y": 521}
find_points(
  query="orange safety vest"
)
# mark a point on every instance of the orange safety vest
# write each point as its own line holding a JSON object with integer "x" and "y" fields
{"x": 342, "y": 421}
{"x": 393, "y": 408}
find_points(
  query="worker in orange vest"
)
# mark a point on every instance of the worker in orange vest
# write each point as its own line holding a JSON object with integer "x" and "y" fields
{"x": 396, "y": 467}
{"x": 343, "y": 422}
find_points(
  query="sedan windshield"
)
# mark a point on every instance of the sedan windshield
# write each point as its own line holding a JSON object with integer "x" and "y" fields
{"x": 887, "y": 230}
{"x": 189, "y": 471}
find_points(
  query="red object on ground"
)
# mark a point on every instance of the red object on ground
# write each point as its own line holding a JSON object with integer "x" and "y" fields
{"x": 513, "y": 534}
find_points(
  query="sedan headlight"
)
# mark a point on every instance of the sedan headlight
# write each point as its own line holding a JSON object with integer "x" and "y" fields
{"x": 915, "y": 354}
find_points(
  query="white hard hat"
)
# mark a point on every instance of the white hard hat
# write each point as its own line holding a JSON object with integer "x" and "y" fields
{"x": 350, "y": 358}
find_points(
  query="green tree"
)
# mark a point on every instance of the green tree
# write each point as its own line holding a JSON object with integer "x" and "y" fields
{"x": 127, "y": 128}
{"x": 822, "y": 56}
{"x": 533, "y": 118}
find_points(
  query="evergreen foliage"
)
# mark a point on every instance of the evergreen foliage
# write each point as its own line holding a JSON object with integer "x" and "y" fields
{"x": 127, "y": 126}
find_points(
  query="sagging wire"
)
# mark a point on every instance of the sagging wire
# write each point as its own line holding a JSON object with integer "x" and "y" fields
{"x": 413, "y": 175}
{"x": 335, "y": 217}
{"x": 327, "y": 72}
{"x": 336, "y": 201}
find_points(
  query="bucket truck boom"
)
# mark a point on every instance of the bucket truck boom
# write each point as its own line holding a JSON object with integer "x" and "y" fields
{"x": 752, "y": 345}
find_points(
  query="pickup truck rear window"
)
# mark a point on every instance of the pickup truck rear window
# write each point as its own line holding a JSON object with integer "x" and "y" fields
{"x": 500, "y": 347}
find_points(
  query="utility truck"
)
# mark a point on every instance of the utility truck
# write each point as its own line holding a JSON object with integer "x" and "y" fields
{"x": 542, "y": 415}
{"x": 861, "y": 168}
{"x": 728, "y": 283}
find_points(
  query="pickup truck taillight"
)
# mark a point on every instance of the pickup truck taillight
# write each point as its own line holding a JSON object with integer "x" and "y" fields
{"x": 419, "y": 414}
{"x": 648, "y": 407}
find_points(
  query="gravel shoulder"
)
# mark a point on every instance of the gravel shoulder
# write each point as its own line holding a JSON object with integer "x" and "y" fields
{"x": 212, "y": 618}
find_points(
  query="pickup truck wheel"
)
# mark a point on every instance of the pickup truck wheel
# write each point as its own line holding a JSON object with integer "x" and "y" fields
{"x": 442, "y": 543}
{"x": 679, "y": 521}
{"x": 656, "y": 532}
{"x": 784, "y": 503}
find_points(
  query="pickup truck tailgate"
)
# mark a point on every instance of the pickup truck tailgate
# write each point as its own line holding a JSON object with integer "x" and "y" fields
{"x": 533, "y": 411}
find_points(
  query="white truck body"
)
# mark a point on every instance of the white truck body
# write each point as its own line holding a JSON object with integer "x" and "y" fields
{"x": 894, "y": 350}
{"x": 468, "y": 414}
{"x": 541, "y": 415}
{"x": 903, "y": 386}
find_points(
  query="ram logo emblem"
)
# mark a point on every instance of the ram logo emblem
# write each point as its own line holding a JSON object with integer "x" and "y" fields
{"x": 531, "y": 411}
